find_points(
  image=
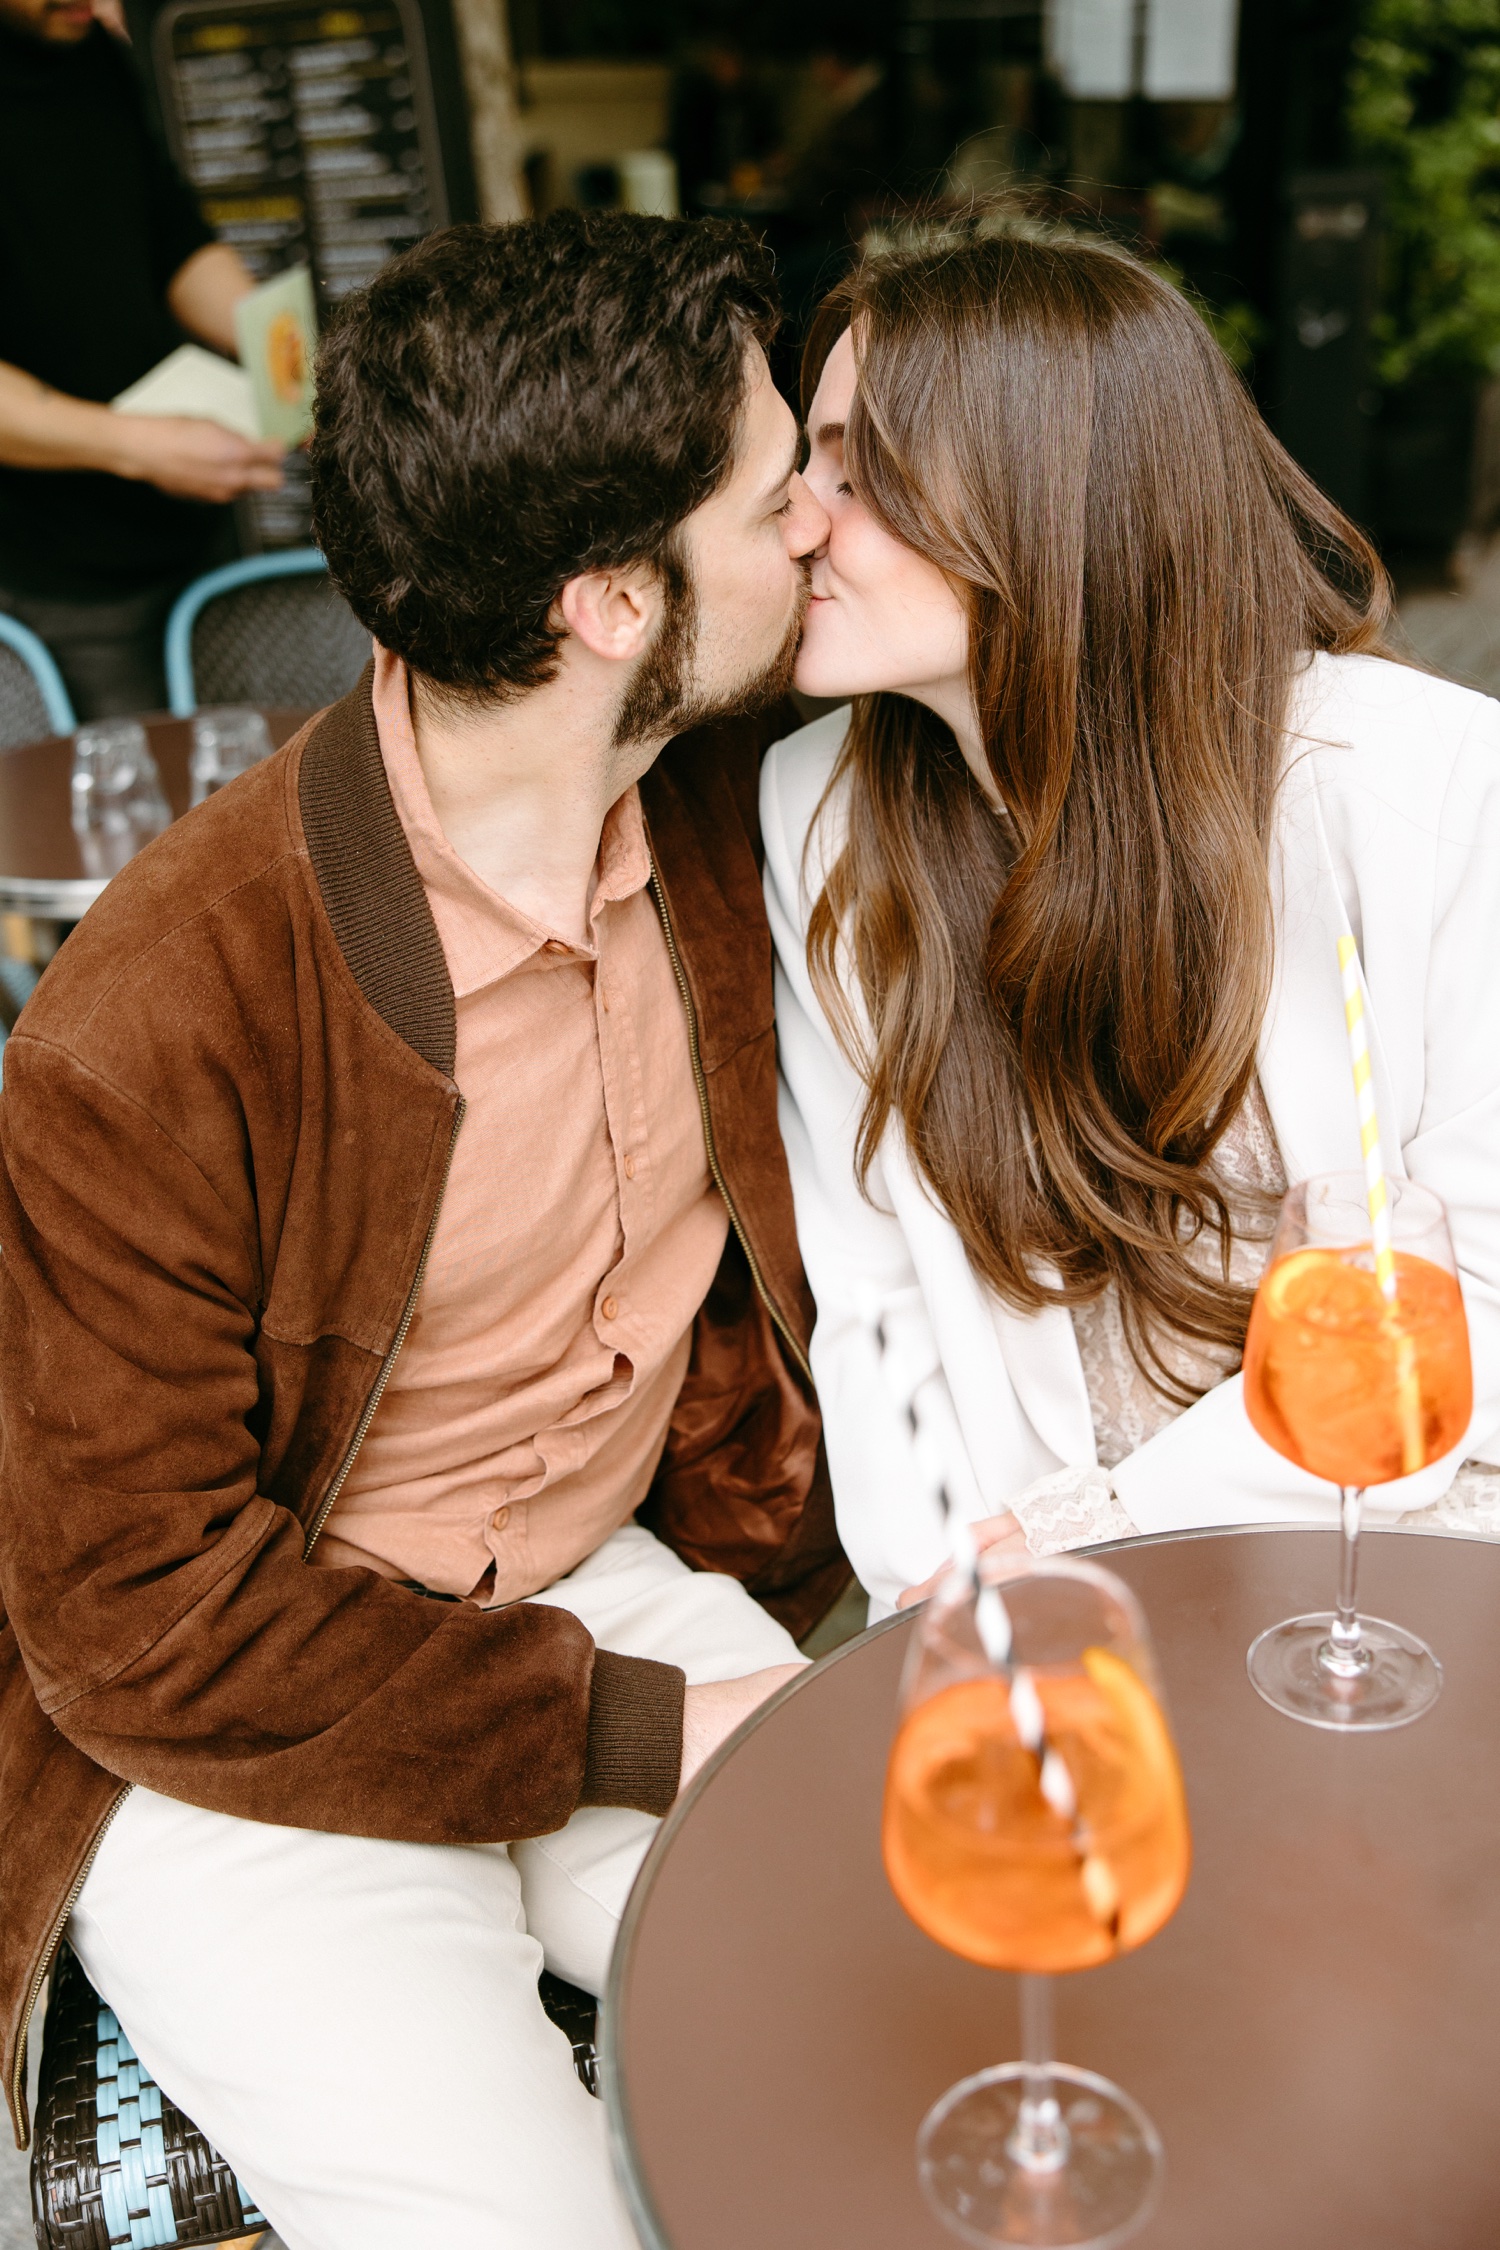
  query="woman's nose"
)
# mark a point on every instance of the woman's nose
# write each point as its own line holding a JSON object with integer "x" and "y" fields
{"x": 807, "y": 524}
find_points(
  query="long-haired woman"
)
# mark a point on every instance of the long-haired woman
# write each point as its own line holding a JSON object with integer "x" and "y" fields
{"x": 1057, "y": 904}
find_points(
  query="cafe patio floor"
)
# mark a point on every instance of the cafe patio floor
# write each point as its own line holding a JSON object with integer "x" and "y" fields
{"x": 1455, "y": 627}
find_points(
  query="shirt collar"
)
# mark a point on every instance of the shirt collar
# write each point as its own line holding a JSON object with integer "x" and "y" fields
{"x": 484, "y": 937}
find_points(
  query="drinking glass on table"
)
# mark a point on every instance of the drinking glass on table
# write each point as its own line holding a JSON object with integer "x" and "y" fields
{"x": 118, "y": 800}
{"x": 227, "y": 741}
{"x": 1034, "y": 1821}
{"x": 1359, "y": 1386}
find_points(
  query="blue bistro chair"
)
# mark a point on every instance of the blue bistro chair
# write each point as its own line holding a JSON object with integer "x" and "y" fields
{"x": 33, "y": 700}
{"x": 33, "y": 703}
{"x": 268, "y": 630}
{"x": 115, "y": 2165}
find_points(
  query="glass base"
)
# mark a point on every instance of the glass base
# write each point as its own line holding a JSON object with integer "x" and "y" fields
{"x": 1289, "y": 1667}
{"x": 1095, "y": 2195}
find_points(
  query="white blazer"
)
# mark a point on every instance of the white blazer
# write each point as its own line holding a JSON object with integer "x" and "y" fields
{"x": 1388, "y": 826}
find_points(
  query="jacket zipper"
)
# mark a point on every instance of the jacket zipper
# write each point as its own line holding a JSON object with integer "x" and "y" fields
{"x": 54, "y": 1939}
{"x": 658, "y": 892}
{"x": 18, "y": 2116}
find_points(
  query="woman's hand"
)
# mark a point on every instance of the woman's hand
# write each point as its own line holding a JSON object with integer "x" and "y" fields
{"x": 990, "y": 1531}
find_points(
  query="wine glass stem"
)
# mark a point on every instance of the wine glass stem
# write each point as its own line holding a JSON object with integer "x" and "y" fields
{"x": 1040, "y": 2140}
{"x": 1345, "y": 1652}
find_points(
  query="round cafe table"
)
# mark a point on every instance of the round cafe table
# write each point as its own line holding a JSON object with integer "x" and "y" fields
{"x": 1316, "y": 2032}
{"x": 41, "y": 872}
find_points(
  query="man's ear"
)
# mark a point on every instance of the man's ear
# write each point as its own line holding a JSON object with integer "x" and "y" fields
{"x": 614, "y": 613}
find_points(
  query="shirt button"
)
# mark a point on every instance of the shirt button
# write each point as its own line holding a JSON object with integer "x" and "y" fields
{"x": 500, "y": 1519}
{"x": 608, "y": 1309}
{"x": 630, "y": 1167}
{"x": 554, "y": 945}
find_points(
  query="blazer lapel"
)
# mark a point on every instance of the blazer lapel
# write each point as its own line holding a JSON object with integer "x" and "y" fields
{"x": 1041, "y": 1352}
{"x": 1016, "y": 1379}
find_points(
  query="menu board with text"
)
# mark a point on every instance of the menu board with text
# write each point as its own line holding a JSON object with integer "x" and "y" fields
{"x": 309, "y": 134}
{"x": 326, "y": 137}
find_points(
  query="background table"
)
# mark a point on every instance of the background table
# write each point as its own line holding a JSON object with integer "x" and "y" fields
{"x": 41, "y": 871}
{"x": 1316, "y": 2032}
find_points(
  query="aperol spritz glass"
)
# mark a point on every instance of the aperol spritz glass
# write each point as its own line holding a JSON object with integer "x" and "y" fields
{"x": 1359, "y": 1388}
{"x": 1035, "y": 1821}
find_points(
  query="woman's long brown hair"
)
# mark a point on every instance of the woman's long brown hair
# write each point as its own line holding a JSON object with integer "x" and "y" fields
{"x": 1062, "y": 1006}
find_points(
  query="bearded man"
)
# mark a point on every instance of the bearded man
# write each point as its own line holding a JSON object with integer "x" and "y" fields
{"x": 411, "y": 1472}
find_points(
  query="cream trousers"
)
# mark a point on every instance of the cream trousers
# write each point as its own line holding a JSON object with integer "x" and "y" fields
{"x": 355, "y": 2024}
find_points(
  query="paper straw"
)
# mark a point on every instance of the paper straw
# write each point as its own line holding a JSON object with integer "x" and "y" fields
{"x": 1369, "y": 1123}
{"x": 991, "y": 1617}
{"x": 1028, "y": 1714}
{"x": 1408, "y": 1380}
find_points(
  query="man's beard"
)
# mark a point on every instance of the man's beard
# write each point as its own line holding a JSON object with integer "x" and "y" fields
{"x": 663, "y": 699}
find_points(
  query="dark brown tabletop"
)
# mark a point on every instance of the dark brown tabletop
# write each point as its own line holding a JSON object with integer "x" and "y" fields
{"x": 41, "y": 871}
{"x": 1316, "y": 2032}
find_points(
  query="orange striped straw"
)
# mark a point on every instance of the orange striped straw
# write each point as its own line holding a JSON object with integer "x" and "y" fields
{"x": 1369, "y": 1122}
{"x": 1408, "y": 1379}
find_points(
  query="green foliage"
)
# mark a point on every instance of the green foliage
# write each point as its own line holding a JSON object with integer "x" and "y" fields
{"x": 1425, "y": 109}
{"x": 1237, "y": 329}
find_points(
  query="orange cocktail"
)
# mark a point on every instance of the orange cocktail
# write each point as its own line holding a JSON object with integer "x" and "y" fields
{"x": 1035, "y": 1821}
{"x": 986, "y": 1865}
{"x": 1356, "y": 1369}
{"x": 1347, "y": 1384}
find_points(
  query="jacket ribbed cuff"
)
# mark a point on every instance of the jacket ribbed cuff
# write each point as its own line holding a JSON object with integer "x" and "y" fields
{"x": 634, "y": 1754}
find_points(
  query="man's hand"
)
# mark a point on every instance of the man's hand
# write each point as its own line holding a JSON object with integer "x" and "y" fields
{"x": 196, "y": 460}
{"x": 711, "y": 1713}
{"x": 990, "y": 1531}
{"x": 41, "y": 428}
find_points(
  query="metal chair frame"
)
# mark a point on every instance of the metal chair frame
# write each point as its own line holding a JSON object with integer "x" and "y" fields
{"x": 182, "y": 691}
{"x": 42, "y": 665}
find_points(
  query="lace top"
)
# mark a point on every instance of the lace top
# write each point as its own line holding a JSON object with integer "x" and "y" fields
{"x": 1126, "y": 1408}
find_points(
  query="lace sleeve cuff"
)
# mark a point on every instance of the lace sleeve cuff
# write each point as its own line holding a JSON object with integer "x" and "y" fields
{"x": 1070, "y": 1508}
{"x": 1471, "y": 1503}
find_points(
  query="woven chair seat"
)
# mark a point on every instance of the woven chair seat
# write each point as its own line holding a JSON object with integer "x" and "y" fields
{"x": 34, "y": 700}
{"x": 115, "y": 2165}
{"x": 291, "y": 641}
{"x": 576, "y": 2014}
{"x": 24, "y": 716}
{"x": 114, "y": 2162}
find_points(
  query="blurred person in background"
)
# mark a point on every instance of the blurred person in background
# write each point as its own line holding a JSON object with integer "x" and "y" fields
{"x": 105, "y": 264}
{"x": 725, "y": 133}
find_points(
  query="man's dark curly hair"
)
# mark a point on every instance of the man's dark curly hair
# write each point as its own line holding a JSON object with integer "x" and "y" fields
{"x": 506, "y": 406}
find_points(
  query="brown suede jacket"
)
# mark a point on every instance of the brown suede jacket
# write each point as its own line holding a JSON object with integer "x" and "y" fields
{"x": 227, "y": 1118}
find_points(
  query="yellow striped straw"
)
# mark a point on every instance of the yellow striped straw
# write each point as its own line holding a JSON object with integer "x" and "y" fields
{"x": 1408, "y": 1378}
{"x": 1369, "y": 1123}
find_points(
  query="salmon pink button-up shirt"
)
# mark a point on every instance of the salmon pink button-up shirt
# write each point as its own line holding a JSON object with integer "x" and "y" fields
{"x": 578, "y": 1234}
